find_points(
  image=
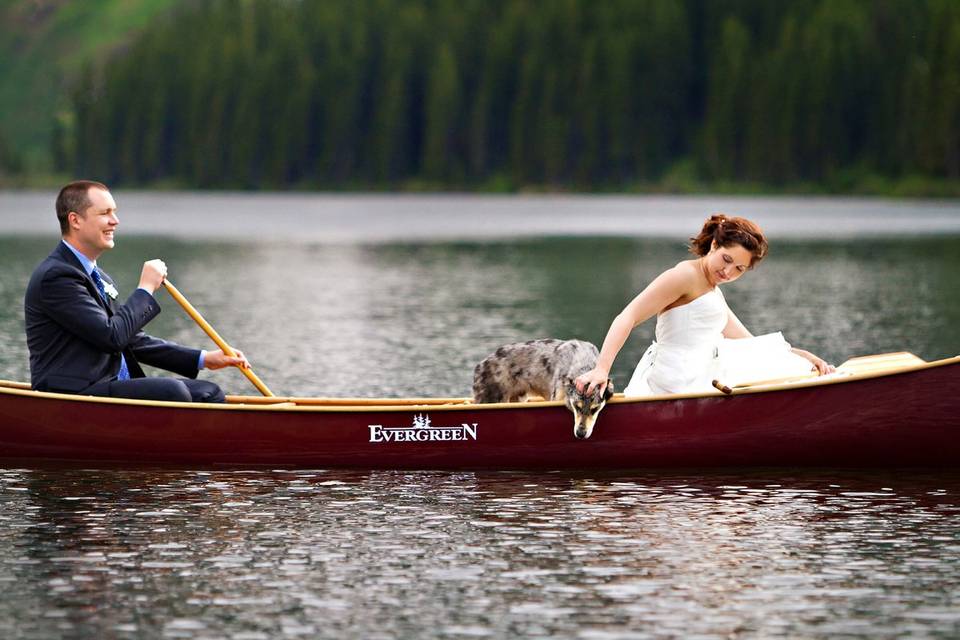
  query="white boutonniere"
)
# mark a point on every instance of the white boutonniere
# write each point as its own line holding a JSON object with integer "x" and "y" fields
{"x": 111, "y": 290}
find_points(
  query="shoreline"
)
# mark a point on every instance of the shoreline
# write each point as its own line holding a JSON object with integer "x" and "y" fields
{"x": 907, "y": 188}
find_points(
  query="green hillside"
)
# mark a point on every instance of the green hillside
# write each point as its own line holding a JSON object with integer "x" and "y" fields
{"x": 43, "y": 45}
{"x": 857, "y": 96}
{"x": 841, "y": 96}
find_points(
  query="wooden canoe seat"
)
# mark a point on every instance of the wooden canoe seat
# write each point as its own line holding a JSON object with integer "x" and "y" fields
{"x": 880, "y": 362}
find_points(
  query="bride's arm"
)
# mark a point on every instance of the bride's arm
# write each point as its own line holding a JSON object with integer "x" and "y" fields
{"x": 665, "y": 289}
{"x": 822, "y": 366}
{"x": 735, "y": 329}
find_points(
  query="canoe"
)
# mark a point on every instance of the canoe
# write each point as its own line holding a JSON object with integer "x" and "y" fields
{"x": 884, "y": 410}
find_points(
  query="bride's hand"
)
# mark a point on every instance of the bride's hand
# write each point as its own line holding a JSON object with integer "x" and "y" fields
{"x": 596, "y": 378}
{"x": 822, "y": 366}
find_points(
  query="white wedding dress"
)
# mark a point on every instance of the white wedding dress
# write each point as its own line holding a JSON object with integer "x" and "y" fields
{"x": 690, "y": 352}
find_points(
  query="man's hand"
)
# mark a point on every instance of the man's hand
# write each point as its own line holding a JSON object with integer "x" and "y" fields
{"x": 153, "y": 274}
{"x": 218, "y": 360}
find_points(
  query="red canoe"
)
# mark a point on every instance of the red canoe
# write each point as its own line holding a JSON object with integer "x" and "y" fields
{"x": 888, "y": 410}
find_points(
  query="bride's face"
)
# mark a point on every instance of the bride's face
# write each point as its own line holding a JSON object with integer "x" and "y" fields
{"x": 726, "y": 264}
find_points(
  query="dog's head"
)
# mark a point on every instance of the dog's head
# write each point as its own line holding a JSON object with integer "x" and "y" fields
{"x": 586, "y": 407}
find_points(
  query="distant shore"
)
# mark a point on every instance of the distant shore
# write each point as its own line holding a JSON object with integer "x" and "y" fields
{"x": 676, "y": 183}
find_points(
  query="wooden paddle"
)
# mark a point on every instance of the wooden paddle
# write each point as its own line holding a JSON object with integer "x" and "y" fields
{"x": 210, "y": 331}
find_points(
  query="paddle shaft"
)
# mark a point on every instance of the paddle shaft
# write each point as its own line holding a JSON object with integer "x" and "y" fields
{"x": 210, "y": 331}
{"x": 719, "y": 386}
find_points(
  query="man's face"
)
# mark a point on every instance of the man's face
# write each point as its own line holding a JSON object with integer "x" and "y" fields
{"x": 92, "y": 231}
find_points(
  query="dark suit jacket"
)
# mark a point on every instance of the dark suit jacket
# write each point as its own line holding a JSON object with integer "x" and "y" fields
{"x": 75, "y": 338}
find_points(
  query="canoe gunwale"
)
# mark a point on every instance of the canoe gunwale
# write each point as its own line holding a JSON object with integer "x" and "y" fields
{"x": 386, "y": 405}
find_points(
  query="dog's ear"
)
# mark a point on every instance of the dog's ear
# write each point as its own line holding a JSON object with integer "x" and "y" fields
{"x": 608, "y": 392}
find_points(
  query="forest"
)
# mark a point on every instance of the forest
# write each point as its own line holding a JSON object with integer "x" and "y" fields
{"x": 513, "y": 94}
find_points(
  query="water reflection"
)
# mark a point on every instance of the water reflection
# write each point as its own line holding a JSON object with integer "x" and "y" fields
{"x": 390, "y": 554}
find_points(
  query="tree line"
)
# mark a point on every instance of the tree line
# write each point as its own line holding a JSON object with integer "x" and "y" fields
{"x": 507, "y": 93}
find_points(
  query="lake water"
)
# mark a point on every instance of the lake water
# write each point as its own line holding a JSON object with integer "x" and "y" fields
{"x": 397, "y": 296}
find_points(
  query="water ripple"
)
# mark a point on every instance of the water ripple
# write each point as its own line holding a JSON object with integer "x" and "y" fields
{"x": 429, "y": 555}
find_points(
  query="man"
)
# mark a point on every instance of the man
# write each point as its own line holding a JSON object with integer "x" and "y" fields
{"x": 82, "y": 341}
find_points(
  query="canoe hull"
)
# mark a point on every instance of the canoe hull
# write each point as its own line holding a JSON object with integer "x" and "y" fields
{"x": 907, "y": 419}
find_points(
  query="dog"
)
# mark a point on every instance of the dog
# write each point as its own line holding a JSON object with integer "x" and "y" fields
{"x": 545, "y": 368}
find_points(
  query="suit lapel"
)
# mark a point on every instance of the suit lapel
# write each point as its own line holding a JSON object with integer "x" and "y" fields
{"x": 65, "y": 255}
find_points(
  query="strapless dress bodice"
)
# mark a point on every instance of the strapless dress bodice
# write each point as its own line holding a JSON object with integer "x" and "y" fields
{"x": 690, "y": 352}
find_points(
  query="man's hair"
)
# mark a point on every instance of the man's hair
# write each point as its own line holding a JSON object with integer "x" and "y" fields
{"x": 75, "y": 197}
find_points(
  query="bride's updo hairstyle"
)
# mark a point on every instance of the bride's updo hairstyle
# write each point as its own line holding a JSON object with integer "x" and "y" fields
{"x": 727, "y": 231}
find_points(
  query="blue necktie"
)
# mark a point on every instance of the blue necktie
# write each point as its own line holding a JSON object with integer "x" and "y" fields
{"x": 98, "y": 280}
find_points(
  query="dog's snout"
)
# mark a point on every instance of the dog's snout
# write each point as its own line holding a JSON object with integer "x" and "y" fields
{"x": 582, "y": 430}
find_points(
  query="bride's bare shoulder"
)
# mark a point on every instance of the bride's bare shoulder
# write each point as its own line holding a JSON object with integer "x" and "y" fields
{"x": 683, "y": 274}
{"x": 680, "y": 284}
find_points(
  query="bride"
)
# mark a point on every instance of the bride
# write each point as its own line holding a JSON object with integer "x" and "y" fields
{"x": 698, "y": 338}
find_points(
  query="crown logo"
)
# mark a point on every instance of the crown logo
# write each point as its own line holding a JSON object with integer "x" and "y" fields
{"x": 421, "y": 421}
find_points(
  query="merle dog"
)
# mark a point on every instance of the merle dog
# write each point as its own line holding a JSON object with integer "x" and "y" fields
{"x": 545, "y": 368}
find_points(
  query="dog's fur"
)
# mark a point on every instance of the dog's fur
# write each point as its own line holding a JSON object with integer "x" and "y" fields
{"x": 545, "y": 368}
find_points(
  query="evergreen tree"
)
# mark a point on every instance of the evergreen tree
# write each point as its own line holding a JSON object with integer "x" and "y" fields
{"x": 328, "y": 93}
